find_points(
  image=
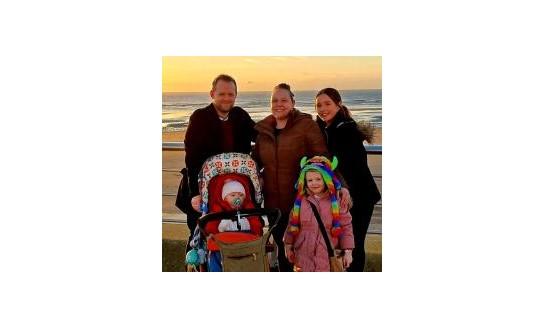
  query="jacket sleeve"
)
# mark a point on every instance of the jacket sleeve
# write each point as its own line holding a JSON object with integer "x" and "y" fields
{"x": 352, "y": 153}
{"x": 288, "y": 238}
{"x": 212, "y": 226}
{"x": 193, "y": 150}
{"x": 315, "y": 140}
{"x": 250, "y": 126}
{"x": 346, "y": 241}
{"x": 256, "y": 152}
{"x": 256, "y": 225}
{"x": 318, "y": 147}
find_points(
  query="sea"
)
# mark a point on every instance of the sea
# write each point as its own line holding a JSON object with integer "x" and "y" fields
{"x": 364, "y": 105}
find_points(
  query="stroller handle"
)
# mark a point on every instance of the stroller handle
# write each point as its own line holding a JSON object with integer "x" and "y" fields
{"x": 273, "y": 215}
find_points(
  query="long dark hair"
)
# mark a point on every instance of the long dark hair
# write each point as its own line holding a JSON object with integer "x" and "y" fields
{"x": 366, "y": 129}
{"x": 336, "y": 98}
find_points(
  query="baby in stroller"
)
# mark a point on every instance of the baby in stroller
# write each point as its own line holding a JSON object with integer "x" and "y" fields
{"x": 229, "y": 192}
{"x": 229, "y": 184}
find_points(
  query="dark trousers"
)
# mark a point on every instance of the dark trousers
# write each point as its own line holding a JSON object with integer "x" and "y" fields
{"x": 361, "y": 213}
{"x": 192, "y": 222}
{"x": 277, "y": 233}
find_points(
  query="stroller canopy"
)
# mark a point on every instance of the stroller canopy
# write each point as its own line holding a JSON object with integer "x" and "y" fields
{"x": 228, "y": 163}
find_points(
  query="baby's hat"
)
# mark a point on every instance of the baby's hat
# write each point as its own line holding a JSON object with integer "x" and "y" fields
{"x": 232, "y": 186}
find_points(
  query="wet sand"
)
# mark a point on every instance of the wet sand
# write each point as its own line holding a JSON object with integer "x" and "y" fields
{"x": 180, "y": 136}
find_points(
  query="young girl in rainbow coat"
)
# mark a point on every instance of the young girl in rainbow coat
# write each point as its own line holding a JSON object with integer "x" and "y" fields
{"x": 304, "y": 243}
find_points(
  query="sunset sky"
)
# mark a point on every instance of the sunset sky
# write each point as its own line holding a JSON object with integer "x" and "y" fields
{"x": 192, "y": 74}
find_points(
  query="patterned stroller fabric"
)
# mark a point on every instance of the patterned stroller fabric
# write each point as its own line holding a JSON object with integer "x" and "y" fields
{"x": 223, "y": 164}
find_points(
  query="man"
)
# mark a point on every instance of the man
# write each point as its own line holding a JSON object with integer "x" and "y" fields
{"x": 218, "y": 128}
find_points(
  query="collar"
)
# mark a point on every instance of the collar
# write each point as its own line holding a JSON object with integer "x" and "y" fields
{"x": 267, "y": 125}
{"x": 214, "y": 111}
{"x": 315, "y": 200}
{"x": 337, "y": 122}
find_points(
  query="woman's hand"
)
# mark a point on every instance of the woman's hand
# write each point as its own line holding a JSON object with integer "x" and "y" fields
{"x": 345, "y": 198}
{"x": 289, "y": 253}
{"x": 347, "y": 258}
{"x": 196, "y": 201}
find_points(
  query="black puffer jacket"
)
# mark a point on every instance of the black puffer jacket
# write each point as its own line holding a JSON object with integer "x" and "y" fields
{"x": 344, "y": 141}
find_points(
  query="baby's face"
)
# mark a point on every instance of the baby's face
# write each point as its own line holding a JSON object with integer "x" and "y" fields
{"x": 231, "y": 198}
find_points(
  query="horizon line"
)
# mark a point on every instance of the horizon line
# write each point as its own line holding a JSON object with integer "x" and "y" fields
{"x": 267, "y": 90}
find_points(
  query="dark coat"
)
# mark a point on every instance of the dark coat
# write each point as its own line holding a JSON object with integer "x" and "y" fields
{"x": 280, "y": 156}
{"x": 344, "y": 141}
{"x": 203, "y": 138}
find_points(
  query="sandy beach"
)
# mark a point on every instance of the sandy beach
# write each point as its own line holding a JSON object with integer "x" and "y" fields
{"x": 180, "y": 136}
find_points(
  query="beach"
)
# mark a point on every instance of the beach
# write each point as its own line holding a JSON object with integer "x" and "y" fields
{"x": 172, "y": 136}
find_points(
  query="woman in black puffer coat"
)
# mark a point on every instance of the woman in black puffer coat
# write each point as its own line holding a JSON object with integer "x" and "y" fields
{"x": 345, "y": 141}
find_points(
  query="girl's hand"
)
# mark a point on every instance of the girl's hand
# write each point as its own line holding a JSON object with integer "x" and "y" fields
{"x": 347, "y": 258}
{"x": 345, "y": 198}
{"x": 289, "y": 253}
{"x": 196, "y": 201}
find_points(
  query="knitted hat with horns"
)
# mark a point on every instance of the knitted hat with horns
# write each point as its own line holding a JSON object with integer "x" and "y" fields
{"x": 322, "y": 165}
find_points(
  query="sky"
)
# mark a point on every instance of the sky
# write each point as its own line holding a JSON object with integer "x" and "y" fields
{"x": 195, "y": 74}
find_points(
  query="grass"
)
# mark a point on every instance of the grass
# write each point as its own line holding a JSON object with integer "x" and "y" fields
{"x": 173, "y": 254}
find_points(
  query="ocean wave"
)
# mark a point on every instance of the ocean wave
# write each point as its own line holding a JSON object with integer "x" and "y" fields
{"x": 250, "y": 104}
{"x": 191, "y": 106}
{"x": 175, "y": 120}
{"x": 365, "y": 105}
{"x": 363, "y": 101}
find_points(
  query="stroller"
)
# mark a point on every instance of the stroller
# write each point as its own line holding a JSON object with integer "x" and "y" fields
{"x": 239, "y": 251}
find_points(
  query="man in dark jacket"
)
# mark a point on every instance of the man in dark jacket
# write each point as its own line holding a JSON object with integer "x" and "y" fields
{"x": 218, "y": 128}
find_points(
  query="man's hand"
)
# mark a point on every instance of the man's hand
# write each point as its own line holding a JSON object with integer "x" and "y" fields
{"x": 196, "y": 201}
